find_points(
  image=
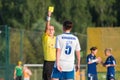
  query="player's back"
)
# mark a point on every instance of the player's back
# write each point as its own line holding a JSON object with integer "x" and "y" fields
{"x": 68, "y": 43}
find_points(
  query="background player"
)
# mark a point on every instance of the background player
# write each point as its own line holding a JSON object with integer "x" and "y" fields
{"x": 110, "y": 64}
{"x": 66, "y": 45}
{"x": 91, "y": 64}
{"x": 48, "y": 42}
{"x": 18, "y": 72}
{"x": 26, "y": 73}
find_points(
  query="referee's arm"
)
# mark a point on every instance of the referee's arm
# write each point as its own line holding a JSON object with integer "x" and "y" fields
{"x": 48, "y": 22}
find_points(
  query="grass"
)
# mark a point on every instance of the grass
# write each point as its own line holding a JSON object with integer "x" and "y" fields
{"x": 102, "y": 76}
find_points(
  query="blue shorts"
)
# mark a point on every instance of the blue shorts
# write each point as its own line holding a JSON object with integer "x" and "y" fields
{"x": 92, "y": 77}
{"x": 109, "y": 77}
{"x": 62, "y": 75}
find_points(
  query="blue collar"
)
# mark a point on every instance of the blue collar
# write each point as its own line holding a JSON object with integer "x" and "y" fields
{"x": 67, "y": 33}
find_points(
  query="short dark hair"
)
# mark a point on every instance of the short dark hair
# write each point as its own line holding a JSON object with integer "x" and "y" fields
{"x": 93, "y": 48}
{"x": 67, "y": 25}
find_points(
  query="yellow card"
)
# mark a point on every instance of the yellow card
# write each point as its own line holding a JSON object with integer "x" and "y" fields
{"x": 51, "y": 8}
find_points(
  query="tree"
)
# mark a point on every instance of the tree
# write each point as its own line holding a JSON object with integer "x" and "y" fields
{"x": 117, "y": 8}
{"x": 22, "y": 13}
{"x": 80, "y": 15}
{"x": 76, "y": 11}
{"x": 103, "y": 12}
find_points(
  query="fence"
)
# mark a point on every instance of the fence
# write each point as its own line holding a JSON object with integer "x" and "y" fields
{"x": 18, "y": 45}
{"x": 37, "y": 71}
{"x": 24, "y": 45}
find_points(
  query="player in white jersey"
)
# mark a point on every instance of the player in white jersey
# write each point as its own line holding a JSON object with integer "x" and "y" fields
{"x": 66, "y": 46}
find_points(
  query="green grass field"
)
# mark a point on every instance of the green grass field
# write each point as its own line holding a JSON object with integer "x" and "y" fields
{"x": 102, "y": 76}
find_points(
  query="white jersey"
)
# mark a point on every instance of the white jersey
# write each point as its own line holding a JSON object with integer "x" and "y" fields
{"x": 68, "y": 44}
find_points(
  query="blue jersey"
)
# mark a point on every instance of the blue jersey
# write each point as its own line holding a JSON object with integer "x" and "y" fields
{"x": 91, "y": 68}
{"x": 110, "y": 60}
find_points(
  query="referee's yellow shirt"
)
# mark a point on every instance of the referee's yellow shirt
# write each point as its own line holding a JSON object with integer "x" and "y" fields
{"x": 49, "y": 47}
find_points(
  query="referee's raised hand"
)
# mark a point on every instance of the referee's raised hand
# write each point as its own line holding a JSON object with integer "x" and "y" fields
{"x": 49, "y": 13}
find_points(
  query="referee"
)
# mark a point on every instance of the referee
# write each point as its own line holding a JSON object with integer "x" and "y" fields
{"x": 48, "y": 43}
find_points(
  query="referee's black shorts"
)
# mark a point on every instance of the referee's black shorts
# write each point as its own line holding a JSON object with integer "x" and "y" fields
{"x": 47, "y": 69}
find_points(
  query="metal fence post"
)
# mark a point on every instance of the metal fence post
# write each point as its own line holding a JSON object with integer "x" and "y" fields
{"x": 21, "y": 45}
{"x": 7, "y": 52}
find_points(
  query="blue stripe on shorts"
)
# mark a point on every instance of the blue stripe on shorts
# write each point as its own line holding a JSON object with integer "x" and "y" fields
{"x": 62, "y": 75}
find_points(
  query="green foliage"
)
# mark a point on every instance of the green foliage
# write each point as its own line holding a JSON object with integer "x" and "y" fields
{"x": 2, "y": 45}
{"x": 22, "y": 13}
{"x": 76, "y": 11}
{"x": 103, "y": 12}
{"x": 30, "y": 15}
{"x": 117, "y": 8}
{"x": 40, "y": 25}
{"x": 83, "y": 13}
{"x": 32, "y": 51}
{"x": 80, "y": 16}
{"x": 32, "y": 48}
